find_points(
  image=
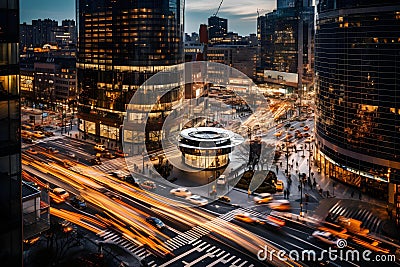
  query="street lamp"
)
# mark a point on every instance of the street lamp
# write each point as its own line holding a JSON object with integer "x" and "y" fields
{"x": 301, "y": 195}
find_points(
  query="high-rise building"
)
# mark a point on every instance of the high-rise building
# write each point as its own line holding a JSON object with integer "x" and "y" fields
{"x": 10, "y": 138}
{"x": 122, "y": 44}
{"x": 217, "y": 27}
{"x": 286, "y": 38}
{"x": 357, "y": 69}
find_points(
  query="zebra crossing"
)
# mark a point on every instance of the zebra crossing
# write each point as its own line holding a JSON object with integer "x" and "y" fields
{"x": 369, "y": 220}
{"x": 113, "y": 165}
{"x": 199, "y": 231}
{"x": 113, "y": 237}
{"x": 210, "y": 256}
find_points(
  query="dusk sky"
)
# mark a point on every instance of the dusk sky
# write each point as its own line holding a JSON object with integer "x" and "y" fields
{"x": 241, "y": 14}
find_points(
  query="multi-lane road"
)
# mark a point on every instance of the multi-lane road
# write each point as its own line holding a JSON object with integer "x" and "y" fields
{"x": 194, "y": 236}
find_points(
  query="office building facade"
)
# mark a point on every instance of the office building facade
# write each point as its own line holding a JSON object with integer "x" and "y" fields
{"x": 10, "y": 139}
{"x": 286, "y": 38}
{"x": 122, "y": 44}
{"x": 357, "y": 68}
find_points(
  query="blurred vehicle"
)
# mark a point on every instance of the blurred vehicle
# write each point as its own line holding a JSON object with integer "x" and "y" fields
{"x": 149, "y": 185}
{"x": 221, "y": 180}
{"x": 120, "y": 153}
{"x": 302, "y": 124}
{"x": 299, "y": 135}
{"x": 306, "y": 128}
{"x": 196, "y": 199}
{"x": 224, "y": 199}
{"x": 66, "y": 226}
{"x": 278, "y": 134}
{"x": 271, "y": 222}
{"x": 60, "y": 192}
{"x": 291, "y": 128}
{"x": 247, "y": 218}
{"x": 112, "y": 195}
{"x": 70, "y": 154}
{"x": 52, "y": 150}
{"x": 32, "y": 151}
{"x": 95, "y": 161}
{"x": 155, "y": 222}
{"x": 287, "y": 125}
{"x": 117, "y": 174}
{"x": 306, "y": 134}
{"x": 325, "y": 237}
{"x": 33, "y": 184}
{"x": 263, "y": 198}
{"x": 99, "y": 147}
{"x": 46, "y": 133}
{"x": 78, "y": 202}
{"x": 279, "y": 185}
{"x": 308, "y": 140}
{"x": 181, "y": 192}
{"x": 108, "y": 155}
{"x": 280, "y": 205}
{"x": 38, "y": 134}
{"x": 27, "y": 140}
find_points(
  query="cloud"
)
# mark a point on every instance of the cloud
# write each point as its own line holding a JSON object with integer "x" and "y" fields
{"x": 241, "y": 7}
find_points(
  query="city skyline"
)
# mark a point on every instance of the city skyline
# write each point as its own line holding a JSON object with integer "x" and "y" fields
{"x": 241, "y": 15}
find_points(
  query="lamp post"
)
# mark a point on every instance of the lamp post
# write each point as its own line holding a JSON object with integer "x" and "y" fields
{"x": 301, "y": 195}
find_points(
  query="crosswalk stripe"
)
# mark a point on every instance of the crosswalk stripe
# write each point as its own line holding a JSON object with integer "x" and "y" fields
{"x": 195, "y": 243}
{"x": 243, "y": 263}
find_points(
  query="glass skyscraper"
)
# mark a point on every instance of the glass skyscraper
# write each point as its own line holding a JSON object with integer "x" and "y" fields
{"x": 122, "y": 44}
{"x": 10, "y": 144}
{"x": 357, "y": 65}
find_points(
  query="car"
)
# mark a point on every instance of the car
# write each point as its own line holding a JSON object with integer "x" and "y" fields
{"x": 306, "y": 134}
{"x": 149, "y": 185}
{"x": 306, "y": 128}
{"x": 70, "y": 154}
{"x": 108, "y": 155}
{"x": 155, "y": 222}
{"x": 196, "y": 199}
{"x": 221, "y": 180}
{"x": 60, "y": 192}
{"x": 263, "y": 198}
{"x": 247, "y": 218}
{"x": 27, "y": 140}
{"x": 120, "y": 153}
{"x": 279, "y": 185}
{"x": 280, "y": 205}
{"x": 117, "y": 174}
{"x": 278, "y": 134}
{"x": 224, "y": 199}
{"x": 46, "y": 133}
{"x": 99, "y": 147}
{"x": 95, "y": 161}
{"x": 287, "y": 125}
{"x": 308, "y": 140}
{"x": 299, "y": 135}
{"x": 181, "y": 192}
{"x": 302, "y": 124}
{"x": 38, "y": 134}
{"x": 52, "y": 150}
{"x": 66, "y": 226}
{"x": 32, "y": 151}
{"x": 325, "y": 237}
{"x": 78, "y": 202}
{"x": 291, "y": 128}
{"x": 272, "y": 223}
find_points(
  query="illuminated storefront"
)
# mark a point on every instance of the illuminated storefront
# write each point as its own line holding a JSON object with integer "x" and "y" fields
{"x": 207, "y": 147}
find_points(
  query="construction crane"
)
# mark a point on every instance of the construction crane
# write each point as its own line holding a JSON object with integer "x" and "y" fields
{"x": 216, "y": 13}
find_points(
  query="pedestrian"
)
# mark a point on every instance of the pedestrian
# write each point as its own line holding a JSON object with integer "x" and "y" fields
{"x": 281, "y": 163}
{"x": 284, "y": 193}
{"x": 352, "y": 194}
{"x": 359, "y": 195}
{"x": 297, "y": 164}
{"x": 299, "y": 187}
{"x": 287, "y": 194}
{"x": 314, "y": 184}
